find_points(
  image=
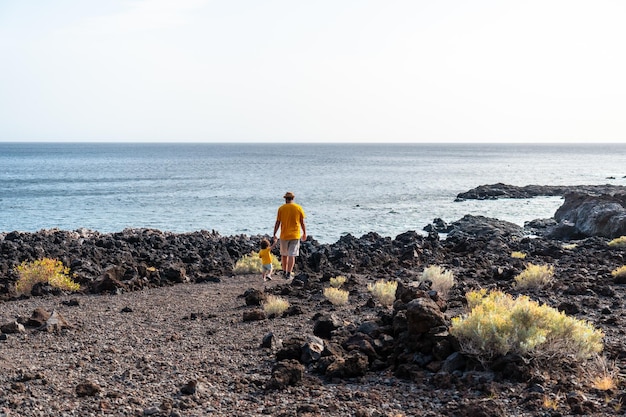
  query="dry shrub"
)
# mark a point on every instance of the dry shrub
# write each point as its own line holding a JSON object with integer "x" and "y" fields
{"x": 602, "y": 375}
{"x": 384, "y": 291}
{"x": 275, "y": 306}
{"x": 251, "y": 264}
{"x": 619, "y": 272}
{"x": 337, "y": 281}
{"x": 336, "y": 296}
{"x": 518, "y": 255}
{"x": 570, "y": 246}
{"x": 534, "y": 276}
{"x": 619, "y": 242}
{"x": 441, "y": 280}
{"x": 44, "y": 270}
{"x": 551, "y": 403}
{"x": 498, "y": 324}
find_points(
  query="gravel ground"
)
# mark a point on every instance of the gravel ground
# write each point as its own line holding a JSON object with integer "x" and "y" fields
{"x": 185, "y": 350}
{"x": 136, "y": 353}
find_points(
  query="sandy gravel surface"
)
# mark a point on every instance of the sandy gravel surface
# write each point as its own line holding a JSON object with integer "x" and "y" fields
{"x": 134, "y": 354}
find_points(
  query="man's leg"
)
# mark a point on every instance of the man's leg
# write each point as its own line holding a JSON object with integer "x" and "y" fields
{"x": 283, "y": 263}
{"x": 291, "y": 261}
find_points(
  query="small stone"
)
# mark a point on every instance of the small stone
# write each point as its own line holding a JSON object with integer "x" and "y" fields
{"x": 150, "y": 411}
{"x": 38, "y": 318}
{"x": 254, "y": 315}
{"x": 13, "y": 327}
{"x": 270, "y": 341}
{"x": 189, "y": 388}
{"x": 18, "y": 387}
{"x": 55, "y": 322}
{"x": 87, "y": 389}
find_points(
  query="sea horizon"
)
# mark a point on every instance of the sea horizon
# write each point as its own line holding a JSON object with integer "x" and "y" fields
{"x": 235, "y": 188}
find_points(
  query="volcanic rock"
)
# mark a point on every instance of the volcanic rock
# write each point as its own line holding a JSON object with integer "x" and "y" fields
{"x": 285, "y": 373}
{"x": 87, "y": 389}
{"x": 422, "y": 315}
{"x": 587, "y": 215}
{"x": 500, "y": 190}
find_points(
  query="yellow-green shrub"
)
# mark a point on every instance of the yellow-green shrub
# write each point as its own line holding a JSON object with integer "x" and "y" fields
{"x": 518, "y": 255}
{"x": 498, "y": 324}
{"x": 251, "y": 264}
{"x": 534, "y": 276}
{"x": 441, "y": 279}
{"x": 275, "y": 306}
{"x": 336, "y": 296}
{"x": 618, "y": 242}
{"x": 337, "y": 281}
{"x": 619, "y": 272}
{"x": 384, "y": 291}
{"x": 44, "y": 270}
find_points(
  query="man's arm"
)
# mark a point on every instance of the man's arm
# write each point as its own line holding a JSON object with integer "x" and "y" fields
{"x": 276, "y": 226}
{"x": 303, "y": 226}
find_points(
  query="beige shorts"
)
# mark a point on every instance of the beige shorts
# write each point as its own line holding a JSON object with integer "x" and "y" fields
{"x": 290, "y": 247}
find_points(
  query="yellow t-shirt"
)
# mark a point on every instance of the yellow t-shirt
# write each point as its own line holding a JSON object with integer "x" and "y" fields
{"x": 266, "y": 256}
{"x": 290, "y": 215}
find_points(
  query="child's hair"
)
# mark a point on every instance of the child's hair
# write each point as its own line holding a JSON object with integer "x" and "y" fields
{"x": 265, "y": 243}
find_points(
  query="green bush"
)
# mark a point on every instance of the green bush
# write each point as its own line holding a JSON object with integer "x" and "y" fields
{"x": 441, "y": 279}
{"x": 336, "y": 296}
{"x": 498, "y": 324}
{"x": 384, "y": 291}
{"x": 534, "y": 276}
{"x": 251, "y": 264}
{"x": 44, "y": 270}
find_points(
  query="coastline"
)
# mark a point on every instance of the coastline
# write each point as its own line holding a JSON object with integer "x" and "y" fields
{"x": 163, "y": 327}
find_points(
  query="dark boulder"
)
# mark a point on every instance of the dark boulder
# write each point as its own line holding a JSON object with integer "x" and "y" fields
{"x": 109, "y": 281}
{"x": 481, "y": 226}
{"x": 286, "y": 373}
{"x": 325, "y": 325}
{"x": 254, "y": 315}
{"x": 438, "y": 226}
{"x": 584, "y": 215}
{"x": 254, "y": 297}
{"x": 352, "y": 365}
{"x": 422, "y": 315}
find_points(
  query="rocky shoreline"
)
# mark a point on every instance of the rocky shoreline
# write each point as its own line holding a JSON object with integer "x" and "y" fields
{"x": 162, "y": 326}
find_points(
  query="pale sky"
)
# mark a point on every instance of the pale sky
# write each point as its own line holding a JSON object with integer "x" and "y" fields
{"x": 313, "y": 71}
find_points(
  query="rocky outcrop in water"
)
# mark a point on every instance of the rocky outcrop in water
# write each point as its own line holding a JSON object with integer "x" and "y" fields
{"x": 500, "y": 190}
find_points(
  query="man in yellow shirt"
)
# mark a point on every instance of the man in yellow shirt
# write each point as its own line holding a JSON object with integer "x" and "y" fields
{"x": 290, "y": 220}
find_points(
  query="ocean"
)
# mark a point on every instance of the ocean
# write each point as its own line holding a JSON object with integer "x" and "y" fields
{"x": 236, "y": 188}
